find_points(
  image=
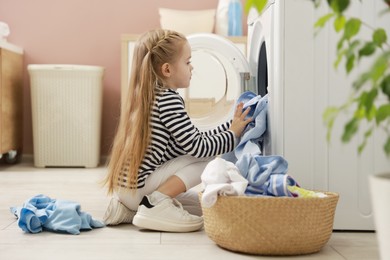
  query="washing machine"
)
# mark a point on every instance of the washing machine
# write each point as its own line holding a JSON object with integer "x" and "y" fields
{"x": 223, "y": 71}
{"x": 284, "y": 60}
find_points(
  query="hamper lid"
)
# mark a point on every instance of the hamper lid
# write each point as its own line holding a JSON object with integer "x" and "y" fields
{"x": 57, "y": 67}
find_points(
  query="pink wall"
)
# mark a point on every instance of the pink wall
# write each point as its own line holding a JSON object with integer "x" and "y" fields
{"x": 82, "y": 32}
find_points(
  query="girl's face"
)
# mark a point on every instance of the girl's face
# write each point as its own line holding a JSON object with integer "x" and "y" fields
{"x": 181, "y": 69}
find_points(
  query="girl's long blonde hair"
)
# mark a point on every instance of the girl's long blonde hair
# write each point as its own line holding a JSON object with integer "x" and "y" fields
{"x": 132, "y": 138}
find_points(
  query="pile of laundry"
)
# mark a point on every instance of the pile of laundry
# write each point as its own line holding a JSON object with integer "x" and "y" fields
{"x": 43, "y": 213}
{"x": 245, "y": 170}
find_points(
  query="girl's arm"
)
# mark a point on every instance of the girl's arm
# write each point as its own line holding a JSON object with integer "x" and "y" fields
{"x": 187, "y": 136}
{"x": 223, "y": 127}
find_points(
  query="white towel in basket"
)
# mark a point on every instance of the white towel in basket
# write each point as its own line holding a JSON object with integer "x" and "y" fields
{"x": 221, "y": 177}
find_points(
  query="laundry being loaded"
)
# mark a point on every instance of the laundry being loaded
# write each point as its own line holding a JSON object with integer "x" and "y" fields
{"x": 43, "y": 213}
{"x": 245, "y": 170}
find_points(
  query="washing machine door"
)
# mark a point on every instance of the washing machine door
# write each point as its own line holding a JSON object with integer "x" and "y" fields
{"x": 221, "y": 73}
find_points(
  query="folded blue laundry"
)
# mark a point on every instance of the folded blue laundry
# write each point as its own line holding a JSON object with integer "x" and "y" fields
{"x": 63, "y": 216}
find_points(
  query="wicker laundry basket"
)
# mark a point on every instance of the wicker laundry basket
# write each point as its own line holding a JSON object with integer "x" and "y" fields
{"x": 271, "y": 225}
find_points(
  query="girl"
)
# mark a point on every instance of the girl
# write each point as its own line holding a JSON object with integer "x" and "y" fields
{"x": 158, "y": 155}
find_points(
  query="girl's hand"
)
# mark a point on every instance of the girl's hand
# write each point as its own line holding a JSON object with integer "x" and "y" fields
{"x": 239, "y": 122}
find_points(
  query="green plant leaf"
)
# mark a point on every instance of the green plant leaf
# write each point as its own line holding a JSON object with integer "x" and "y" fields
{"x": 371, "y": 114}
{"x": 371, "y": 95}
{"x": 350, "y": 55}
{"x": 379, "y": 68}
{"x": 340, "y": 43}
{"x": 350, "y": 130}
{"x": 338, "y": 6}
{"x": 367, "y": 50}
{"x": 316, "y": 3}
{"x": 366, "y": 108}
{"x": 340, "y": 56}
{"x": 353, "y": 45}
{"x": 339, "y": 23}
{"x": 350, "y": 63}
{"x": 382, "y": 113}
{"x": 352, "y": 27}
{"x": 362, "y": 99}
{"x": 379, "y": 37}
{"x": 367, "y": 134}
{"x": 258, "y": 4}
{"x": 386, "y": 147}
{"x": 248, "y": 5}
{"x": 362, "y": 146}
{"x": 363, "y": 78}
{"x": 360, "y": 113}
{"x": 330, "y": 113}
{"x": 323, "y": 20}
{"x": 385, "y": 86}
{"x": 329, "y": 117}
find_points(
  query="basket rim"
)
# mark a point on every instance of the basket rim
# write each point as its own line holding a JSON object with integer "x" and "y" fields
{"x": 329, "y": 194}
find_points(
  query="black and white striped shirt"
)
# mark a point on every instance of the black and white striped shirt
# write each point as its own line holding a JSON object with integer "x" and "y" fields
{"x": 173, "y": 135}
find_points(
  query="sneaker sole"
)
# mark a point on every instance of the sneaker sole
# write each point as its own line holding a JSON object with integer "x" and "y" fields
{"x": 111, "y": 218}
{"x": 161, "y": 225}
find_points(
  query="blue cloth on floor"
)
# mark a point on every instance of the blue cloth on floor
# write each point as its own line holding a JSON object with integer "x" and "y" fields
{"x": 266, "y": 175}
{"x": 63, "y": 216}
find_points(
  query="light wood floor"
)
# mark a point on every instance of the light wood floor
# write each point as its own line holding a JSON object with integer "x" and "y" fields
{"x": 22, "y": 181}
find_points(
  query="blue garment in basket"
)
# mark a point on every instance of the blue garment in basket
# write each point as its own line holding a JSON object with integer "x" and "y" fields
{"x": 63, "y": 216}
{"x": 266, "y": 175}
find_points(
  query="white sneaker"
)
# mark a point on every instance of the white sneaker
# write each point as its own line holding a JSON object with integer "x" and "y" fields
{"x": 117, "y": 213}
{"x": 166, "y": 216}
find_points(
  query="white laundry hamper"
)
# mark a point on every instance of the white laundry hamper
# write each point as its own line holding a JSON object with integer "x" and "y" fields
{"x": 66, "y": 114}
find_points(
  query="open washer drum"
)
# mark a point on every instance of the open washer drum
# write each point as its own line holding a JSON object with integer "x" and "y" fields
{"x": 221, "y": 74}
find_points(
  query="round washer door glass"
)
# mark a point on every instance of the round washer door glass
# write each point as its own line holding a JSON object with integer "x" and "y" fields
{"x": 216, "y": 81}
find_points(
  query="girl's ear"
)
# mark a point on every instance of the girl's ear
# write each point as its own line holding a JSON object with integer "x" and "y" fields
{"x": 166, "y": 70}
